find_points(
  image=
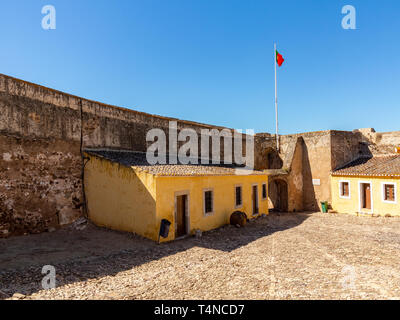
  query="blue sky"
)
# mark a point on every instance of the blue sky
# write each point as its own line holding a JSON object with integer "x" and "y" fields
{"x": 211, "y": 61}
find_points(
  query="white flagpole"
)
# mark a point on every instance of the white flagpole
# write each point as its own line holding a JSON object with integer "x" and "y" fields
{"x": 276, "y": 102}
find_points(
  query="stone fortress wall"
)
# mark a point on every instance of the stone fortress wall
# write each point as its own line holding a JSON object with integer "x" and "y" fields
{"x": 306, "y": 172}
{"x": 42, "y": 133}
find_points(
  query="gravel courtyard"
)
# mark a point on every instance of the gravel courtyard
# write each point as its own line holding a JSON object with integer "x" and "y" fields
{"x": 286, "y": 256}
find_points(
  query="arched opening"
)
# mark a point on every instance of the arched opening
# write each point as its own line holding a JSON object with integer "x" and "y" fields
{"x": 274, "y": 160}
{"x": 278, "y": 195}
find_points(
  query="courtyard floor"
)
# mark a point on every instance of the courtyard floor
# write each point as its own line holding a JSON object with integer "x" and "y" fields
{"x": 286, "y": 256}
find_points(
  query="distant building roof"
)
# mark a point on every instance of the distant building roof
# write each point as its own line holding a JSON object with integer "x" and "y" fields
{"x": 388, "y": 165}
{"x": 138, "y": 160}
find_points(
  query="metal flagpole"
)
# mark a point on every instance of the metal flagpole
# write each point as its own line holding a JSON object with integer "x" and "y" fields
{"x": 276, "y": 103}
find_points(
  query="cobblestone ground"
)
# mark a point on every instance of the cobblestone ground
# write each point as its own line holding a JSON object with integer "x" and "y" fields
{"x": 287, "y": 256}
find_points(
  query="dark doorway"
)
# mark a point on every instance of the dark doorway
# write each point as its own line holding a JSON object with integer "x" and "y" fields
{"x": 366, "y": 196}
{"x": 181, "y": 215}
{"x": 255, "y": 200}
{"x": 278, "y": 195}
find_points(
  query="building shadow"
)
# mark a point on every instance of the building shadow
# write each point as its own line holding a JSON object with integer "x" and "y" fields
{"x": 97, "y": 252}
{"x": 309, "y": 198}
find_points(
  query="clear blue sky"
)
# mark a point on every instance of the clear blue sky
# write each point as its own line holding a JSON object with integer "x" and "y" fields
{"x": 212, "y": 60}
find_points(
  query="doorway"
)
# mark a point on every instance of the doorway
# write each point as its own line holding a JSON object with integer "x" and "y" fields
{"x": 254, "y": 197}
{"x": 278, "y": 195}
{"x": 366, "y": 202}
{"x": 181, "y": 215}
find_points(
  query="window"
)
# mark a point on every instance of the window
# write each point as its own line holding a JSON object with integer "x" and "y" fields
{"x": 238, "y": 196}
{"x": 344, "y": 189}
{"x": 389, "y": 192}
{"x": 264, "y": 191}
{"x": 208, "y": 202}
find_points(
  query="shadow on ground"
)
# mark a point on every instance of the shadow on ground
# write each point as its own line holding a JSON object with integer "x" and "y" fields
{"x": 97, "y": 252}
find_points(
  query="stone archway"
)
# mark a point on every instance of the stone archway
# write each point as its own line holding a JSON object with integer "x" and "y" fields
{"x": 278, "y": 195}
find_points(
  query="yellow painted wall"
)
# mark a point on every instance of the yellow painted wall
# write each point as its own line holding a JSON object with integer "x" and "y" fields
{"x": 127, "y": 199}
{"x": 352, "y": 205}
{"x": 224, "y": 199}
{"x": 120, "y": 198}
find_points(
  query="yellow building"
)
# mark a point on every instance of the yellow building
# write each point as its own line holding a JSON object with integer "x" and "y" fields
{"x": 368, "y": 185}
{"x": 125, "y": 193}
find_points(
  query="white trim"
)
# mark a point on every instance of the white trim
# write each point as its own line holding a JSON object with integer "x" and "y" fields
{"x": 360, "y": 198}
{"x": 187, "y": 211}
{"x": 266, "y": 191}
{"x": 234, "y": 195}
{"x": 204, "y": 202}
{"x": 341, "y": 189}
{"x": 383, "y": 184}
{"x": 258, "y": 200}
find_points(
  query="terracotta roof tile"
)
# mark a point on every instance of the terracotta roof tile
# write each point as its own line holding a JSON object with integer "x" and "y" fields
{"x": 388, "y": 165}
{"x": 138, "y": 161}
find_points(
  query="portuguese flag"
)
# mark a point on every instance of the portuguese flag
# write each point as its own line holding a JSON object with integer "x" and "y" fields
{"x": 279, "y": 58}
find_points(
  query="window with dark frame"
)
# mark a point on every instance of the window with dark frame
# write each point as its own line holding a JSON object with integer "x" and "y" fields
{"x": 389, "y": 192}
{"x": 238, "y": 192}
{"x": 345, "y": 189}
{"x": 208, "y": 202}
{"x": 264, "y": 191}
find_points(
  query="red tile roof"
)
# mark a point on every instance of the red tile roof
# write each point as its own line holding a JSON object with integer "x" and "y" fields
{"x": 386, "y": 166}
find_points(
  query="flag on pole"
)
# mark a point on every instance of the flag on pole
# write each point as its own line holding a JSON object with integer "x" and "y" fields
{"x": 279, "y": 58}
{"x": 278, "y": 61}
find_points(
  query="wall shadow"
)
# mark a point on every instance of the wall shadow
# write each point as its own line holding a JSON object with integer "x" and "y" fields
{"x": 274, "y": 160}
{"x": 309, "y": 199}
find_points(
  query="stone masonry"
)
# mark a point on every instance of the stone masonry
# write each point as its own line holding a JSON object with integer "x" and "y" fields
{"x": 42, "y": 133}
